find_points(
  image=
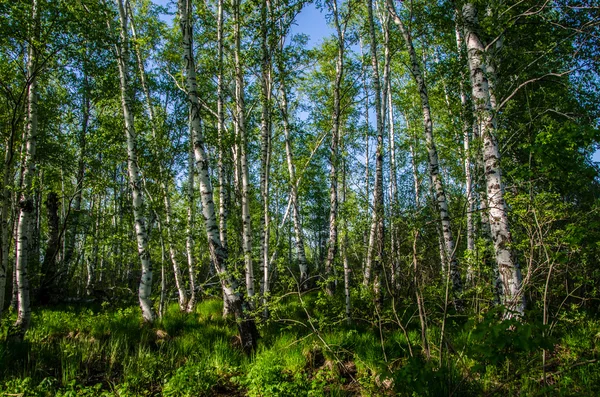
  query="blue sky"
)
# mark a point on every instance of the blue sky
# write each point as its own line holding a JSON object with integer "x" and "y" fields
{"x": 310, "y": 21}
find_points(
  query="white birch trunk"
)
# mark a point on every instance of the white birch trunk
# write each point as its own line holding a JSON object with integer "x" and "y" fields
{"x": 162, "y": 175}
{"x": 300, "y": 250}
{"x": 218, "y": 254}
{"x": 434, "y": 167}
{"x": 375, "y": 254}
{"x": 221, "y": 129}
{"x": 265, "y": 129}
{"x": 333, "y": 151}
{"x": 344, "y": 245}
{"x": 509, "y": 270}
{"x": 243, "y": 149}
{"x": 145, "y": 286}
{"x": 466, "y": 132}
{"x": 26, "y": 201}
{"x": 191, "y": 215}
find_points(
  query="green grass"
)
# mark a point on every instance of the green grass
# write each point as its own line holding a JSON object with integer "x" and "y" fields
{"x": 102, "y": 351}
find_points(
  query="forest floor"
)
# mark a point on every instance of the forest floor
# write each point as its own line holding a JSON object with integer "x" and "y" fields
{"x": 99, "y": 350}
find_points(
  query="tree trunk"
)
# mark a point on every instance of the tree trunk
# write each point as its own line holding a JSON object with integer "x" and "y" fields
{"x": 191, "y": 218}
{"x": 49, "y": 270}
{"x": 243, "y": 155}
{"x": 434, "y": 167}
{"x": 466, "y": 132}
{"x": 265, "y": 129}
{"x": 145, "y": 285}
{"x": 164, "y": 178}
{"x": 221, "y": 130}
{"x": 218, "y": 254}
{"x": 26, "y": 201}
{"x": 333, "y": 152}
{"x": 510, "y": 273}
{"x": 6, "y": 217}
{"x": 344, "y": 245}
{"x": 375, "y": 255}
{"x": 300, "y": 250}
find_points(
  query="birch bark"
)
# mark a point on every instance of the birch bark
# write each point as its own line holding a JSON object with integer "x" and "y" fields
{"x": 333, "y": 151}
{"x": 243, "y": 153}
{"x": 145, "y": 286}
{"x": 509, "y": 270}
{"x": 375, "y": 253}
{"x": 26, "y": 204}
{"x": 300, "y": 250}
{"x": 265, "y": 130}
{"x": 218, "y": 253}
{"x": 191, "y": 218}
{"x": 466, "y": 132}
{"x": 434, "y": 167}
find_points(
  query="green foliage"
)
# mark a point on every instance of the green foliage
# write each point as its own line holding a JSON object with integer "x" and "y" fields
{"x": 84, "y": 351}
{"x": 195, "y": 379}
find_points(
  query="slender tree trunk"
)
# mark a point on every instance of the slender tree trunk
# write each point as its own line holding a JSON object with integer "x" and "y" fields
{"x": 164, "y": 176}
{"x": 163, "y": 275}
{"x": 434, "y": 167}
{"x": 265, "y": 128}
{"x": 466, "y": 132}
{"x": 333, "y": 151}
{"x": 366, "y": 235}
{"x": 26, "y": 201}
{"x": 344, "y": 245}
{"x": 413, "y": 162}
{"x": 300, "y": 250}
{"x": 218, "y": 253}
{"x": 375, "y": 255}
{"x": 221, "y": 129}
{"x": 389, "y": 122}
{"x": 133, "y": 171}
{"x": 6, "y": 216}
{"x": 510, "y": 273}
{"x": 191, "y": 218}
{"x": 243, "y": 149}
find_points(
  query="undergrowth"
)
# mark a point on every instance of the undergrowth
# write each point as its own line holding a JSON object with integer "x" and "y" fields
{"x": 304, "y": 351}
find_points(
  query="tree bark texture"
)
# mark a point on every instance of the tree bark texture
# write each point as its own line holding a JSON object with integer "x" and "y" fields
{"x": 509, "y": 270}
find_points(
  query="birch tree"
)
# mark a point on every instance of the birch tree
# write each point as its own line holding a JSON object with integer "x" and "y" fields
{"x": 340, "y": 28}
{"x": 163, "y": 174}
{"x": 240, "y": 125}
{"x": 510, "y": 273}
{"x": 434, "y": 166}
{"x": 375, "y": 253}
{"x": 265, "y": 139}
{"x": 122, "y": 50}
{"x": 218, "y": 253}
{"x": 284, "y": 109}
{"x": 26, "y": 205}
